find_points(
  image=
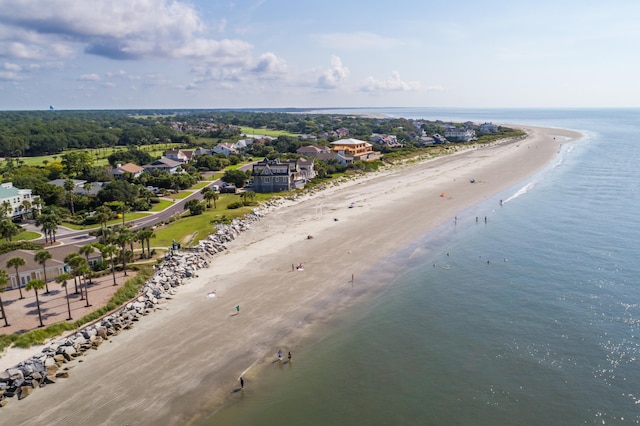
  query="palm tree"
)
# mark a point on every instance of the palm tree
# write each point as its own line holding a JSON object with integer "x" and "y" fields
{"x": 62, "y": 279}
{"x": 215, "y": 197}
{"x": 103, "y": 215}
{"x": 122, "y": 237}
{"x": 207, "y": 194}
{"x": 147, "y": 234}
{"x": 16, "y": 262}
{"x": 109, "y": 251}
{"x": 87, "y": 250}
{"x": 41, "y": 257}
{"x": 25, "y": 207}
{"x": 36, "y": 204}
{"x": 84, "y": 270}
{"x": 4, "y": 280}
{"x": 74, "y": 260}
{"x": 49, "y": 223}
{"x": 36, "y": 285}
{"x": 69, "y": 186}
{"x": 122, "y": 208}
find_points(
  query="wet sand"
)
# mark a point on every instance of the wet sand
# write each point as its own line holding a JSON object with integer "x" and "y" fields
{"x": 180, "y": 363}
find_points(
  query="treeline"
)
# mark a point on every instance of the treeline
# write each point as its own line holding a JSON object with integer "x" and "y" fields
{"x": 34, "y": 133}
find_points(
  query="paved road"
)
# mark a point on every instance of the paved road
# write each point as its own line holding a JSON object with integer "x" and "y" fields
{"x": 68, "y": 236}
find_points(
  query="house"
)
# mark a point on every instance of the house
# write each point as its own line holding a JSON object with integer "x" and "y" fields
{"x": 359, "y": 150}
{"x": 164, "y": 165}
{"x": 390, "y": 141}
{"x": 179, "y": 156}
{"x": 438, "y": 138}
{"x": 276, "y": 176}
{"x": 488, "y": 128}
{"x": 33, "y": 270}
{"x": 224, "y": 148}
{"x": 14, "y": 199}
{"x": 120, "y": 171}
{"x": 305, "y": 169}
{"x": 242, "y": 144}
{"x": 313, "y": 150}
{"x": 455, "y": 134}
{"x": 81, "y": 187}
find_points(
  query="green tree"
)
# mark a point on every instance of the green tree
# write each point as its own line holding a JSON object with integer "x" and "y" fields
{"x": 8, "y": 229}
{"x": 103, "y": 215}
{"x": 146, "y": 234}
{"x": 62, "y": 279}
{"x": 87, "y": 250}
{"x": 85, "y": 271}
{"x": 194, "y": 206}
{"x": 122, "y": 236}
{"x": 69, "y": 186}
{"x": 119, "y": 190}
{"x": 16, "y": 262}
{"x": 4, "y": 280}
{"x": 108, "y": 252}
{"x": 25, "y": 207}
{"x": 41, "y": 257}
{"x": 74, "y": 260}
{"x": 207, "y": 195}
{"x": 74, "y": 162}
{"x": 235, "y": 177}
{"x": 49, "y": 223}
{"x": 36, "y": 285}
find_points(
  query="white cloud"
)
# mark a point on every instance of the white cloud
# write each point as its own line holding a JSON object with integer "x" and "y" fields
{"x": 11, "y": 67}
{"x": 392, "y": 84}
{"x": 356, "y": 41}
{"x": 89, "y": 77}
{"x": 10, "y": 76}
{"x": 117, "y": 29}
{"x": 269, "y": 63}
{"x": 335, "y": 75}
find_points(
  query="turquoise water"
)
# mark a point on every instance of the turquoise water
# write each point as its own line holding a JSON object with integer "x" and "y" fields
{"x": 545, "y": 333}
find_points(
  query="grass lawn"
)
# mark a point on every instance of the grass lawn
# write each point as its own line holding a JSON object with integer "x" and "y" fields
{"x": 163, "y": 204}
{"x": 201, "y": 184}
{"x": 266, "y": 132}
{"x": 188, "y": 230}
{"x": 127, "y": 217}
{"x": 27, "y": 236}
{"x": 100, "y": 154}
{"x": 181, "y": 195}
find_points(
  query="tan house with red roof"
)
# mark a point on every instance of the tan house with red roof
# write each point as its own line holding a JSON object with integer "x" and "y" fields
{"x": 132, "y": 169}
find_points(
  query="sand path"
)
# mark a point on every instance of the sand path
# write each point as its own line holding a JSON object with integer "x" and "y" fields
{"x": 181, "y": 362}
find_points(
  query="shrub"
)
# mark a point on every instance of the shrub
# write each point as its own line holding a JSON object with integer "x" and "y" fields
{"x": 235, "y": 205}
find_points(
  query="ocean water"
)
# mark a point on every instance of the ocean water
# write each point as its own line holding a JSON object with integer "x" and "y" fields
{"x": 532, "y": 318}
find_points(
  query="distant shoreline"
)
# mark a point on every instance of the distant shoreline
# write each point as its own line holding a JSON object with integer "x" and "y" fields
{"x": 183, "y": 362}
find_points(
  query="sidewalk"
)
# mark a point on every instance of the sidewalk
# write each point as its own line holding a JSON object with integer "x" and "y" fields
{"x": 23, "y": 314}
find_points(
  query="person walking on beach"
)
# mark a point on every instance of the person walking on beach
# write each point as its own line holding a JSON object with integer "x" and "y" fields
{"x": 289, "y": 356}
{"x": 238, "y": 309}
{"x": 280, "y": 355}
{"x": 241, "y": 383}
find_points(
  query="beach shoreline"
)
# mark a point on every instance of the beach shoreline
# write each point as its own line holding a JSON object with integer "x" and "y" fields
{"x": 182, "y": 362}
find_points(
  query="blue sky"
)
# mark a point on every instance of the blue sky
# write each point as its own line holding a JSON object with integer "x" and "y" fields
{"x": 118, "y": 54}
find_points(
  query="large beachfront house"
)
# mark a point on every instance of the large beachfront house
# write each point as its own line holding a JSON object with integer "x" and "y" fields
{"x": 18, "y": 201}
{"x": 355, "y": 148}
{"x": 276, "y": 176}
{"x": 455, "y": 134}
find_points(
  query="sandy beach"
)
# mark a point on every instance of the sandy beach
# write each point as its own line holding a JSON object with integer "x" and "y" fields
{"x": 180, "y": 363}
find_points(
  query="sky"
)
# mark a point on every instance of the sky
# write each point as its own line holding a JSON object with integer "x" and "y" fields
{"x": 163, "y": 54}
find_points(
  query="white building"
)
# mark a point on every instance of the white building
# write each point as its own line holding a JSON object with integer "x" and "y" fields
{"x": 15, "y": 197}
